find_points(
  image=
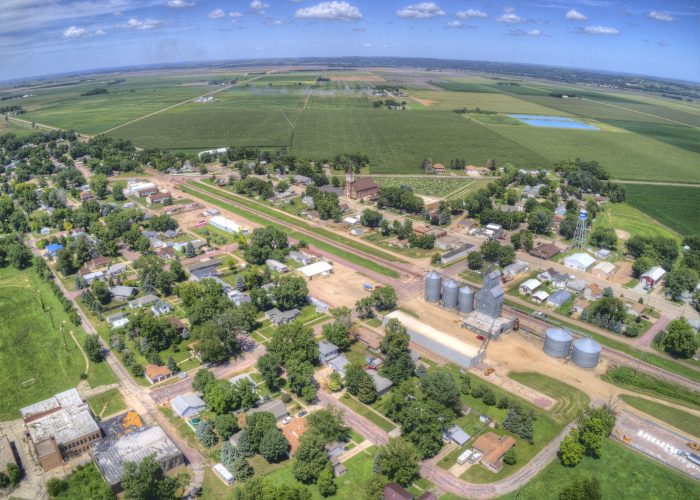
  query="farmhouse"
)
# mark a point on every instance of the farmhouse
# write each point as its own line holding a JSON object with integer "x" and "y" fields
{"x": 60, "y": 427}
{"x": 112, "y": 455}
{"x": 652, "y": 277}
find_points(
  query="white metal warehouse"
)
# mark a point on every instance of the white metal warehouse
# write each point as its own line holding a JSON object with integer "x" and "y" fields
{"x": 444, "y": 345}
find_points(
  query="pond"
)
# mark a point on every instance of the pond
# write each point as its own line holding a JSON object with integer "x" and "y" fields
{"x": 553, "y": 122}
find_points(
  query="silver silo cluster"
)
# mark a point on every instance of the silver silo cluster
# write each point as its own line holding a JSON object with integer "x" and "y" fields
{"x": 466, "y": 300}
{"x": 586, "y": 353}
{"x": 433, "y": 286}
{"x": 450, "y": 292}
{"x": 557, "y": 342}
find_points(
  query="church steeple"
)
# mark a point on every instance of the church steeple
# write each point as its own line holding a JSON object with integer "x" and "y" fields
{"x": 349, "y": 175}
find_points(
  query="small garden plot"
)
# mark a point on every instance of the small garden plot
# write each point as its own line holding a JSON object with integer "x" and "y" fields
{"x": 438, "y": 187}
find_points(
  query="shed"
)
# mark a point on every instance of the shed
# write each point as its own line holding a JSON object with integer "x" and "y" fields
{"x": 603, "y": 269}
{"x": 316, "y": 268}
{"x": 456, "y": 434}
{"x": 540, "y": 296}
{"x": 276, "y": 265}
{"x": 580, "y": 261}
{"x": 529, "y": 286}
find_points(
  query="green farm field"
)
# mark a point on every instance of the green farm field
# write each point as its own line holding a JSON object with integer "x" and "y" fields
{"x": 428, "y": 186}
{"x": 678, "y": 207}
{"x": 633, "y": 220}
{"x": 34, "y": 363}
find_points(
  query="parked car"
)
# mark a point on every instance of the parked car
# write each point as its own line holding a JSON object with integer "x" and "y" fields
{"x": 302, "y": 413}
{"x": 286, "y": 420}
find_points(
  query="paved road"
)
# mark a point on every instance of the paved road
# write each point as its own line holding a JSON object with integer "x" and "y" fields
{"x": 658, "y": 326}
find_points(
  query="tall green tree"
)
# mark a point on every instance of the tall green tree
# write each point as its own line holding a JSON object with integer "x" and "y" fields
{"x": 398, "y": 365}
{"x": 399, "y": 461}
{"x": 146, "y": 481}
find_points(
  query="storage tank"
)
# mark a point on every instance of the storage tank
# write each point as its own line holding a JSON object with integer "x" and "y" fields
{"x": 466, "y": 300}
{"x": 433, "y": 284}
{"x": 450, "y": 292}
{"x": 586, "y": 353}
{"x": 557, "y": 342}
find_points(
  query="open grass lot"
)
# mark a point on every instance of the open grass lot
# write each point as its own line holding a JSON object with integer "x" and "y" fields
{"x": 107, "y": 403}
{"x": 678, "y": 207}
{"x": 632, "y": 219}
{"x": 34, "y": 363}
{"x": 622, "y": 474}
{"x": 679, "y": 419}
{"x": 438, "y": 187}
{"x": 367, "y": 412}
{"x": 652, "y": 386}
{"x": 570, "y": 401}
{"x": 86, "y": 482}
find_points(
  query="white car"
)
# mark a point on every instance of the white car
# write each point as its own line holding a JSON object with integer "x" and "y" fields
{"x": 286, "y": 420}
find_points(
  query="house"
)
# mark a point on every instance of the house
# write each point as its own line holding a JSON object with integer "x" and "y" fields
{"x": 278, "y": 317}
{"x": 309, "y": 202}
{"x": 351, "y": 221}
{"x": 276, "y": 265}
{"x": 314, "y": 255}
{"x": 155, "y": 373}
{"x": 393, "y": 491}
{"x": 144, "y": 301}
{"x": 540, "y": 296}
{"x": 97, "y": 262}
{"x": 382, "y": 384}
{"x": 425, "y": 230}
{"x": 60, "y": 427}
{"x": 53, "y": 248}
{"x": 112, "y": 455}
{"x": 559, "y": 298}
{"x": 635, "y": 309}
{"x": 545, "y": 251}
{"x": 580, "y": 305}
{"x": 327, "y": 351}
{"x": 116, "y": 269}
{"x": 456, "y": 434}
{"x": 300, "y": 258}
{"x": 177, "y": 323}
{"x": 146, "y": 191}
{"x": 160, "y": 308}
{"x": 238, "y": 297}
{"x": 90, "y": 277}
{"x": 319, "y": 305}
{"x": 592, "y": 292}
{"x": 203, "y": 270}
{"x": 603, "y": 270}
{"x": 579, "y": 261}
{"x": 652, "y": 277}
{"x": 122, "y": 292}
{"x": 362, "y": 188}
{"x": 576, "y": 285}
{"x": 166, "y": 253}
{"x": 529, "y": 286}
{"x": 188, "y": 405}
{"x": 338, "y": 364}
{"x": 553, "y": 277}
{"x": 438, "y": 168}
{"x": 512, "y": 270}
{"x": 117, "y": 320}
{"x": 335, "y": 448}
{"x": 492, "y": 448}
{"x": 302, "y": 179}
{"x": 246, "y": 377}
{"x": 163, "y": 197}
{"x": 274, "y": 406}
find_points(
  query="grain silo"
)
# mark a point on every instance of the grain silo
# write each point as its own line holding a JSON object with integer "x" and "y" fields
{"x": 433, "y": 284}
{"x": 557, "y": 342}
{"x": 450, "y": 292}
{"x": 466, "y": 300}
{"x": 586, "y": 353}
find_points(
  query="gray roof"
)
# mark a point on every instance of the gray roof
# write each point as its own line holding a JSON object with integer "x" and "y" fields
{"x": 114, "y": 317}
{"x": 380, "y": 383}
{"x": 143, "y": 301}
{"x": 275, "y": 406}
{"x": 110, "y": 456}
{"x": 122, "y": 291}
{"x": 276, "y": 316}
{"x": 161, "y": 306}
{"x": 187, "y": 405}
{"x": 339, "y": 363}
{"x": 325, "y": 347}
{"x": 559, "y": 297}
{"x": 117, "y": 268}
{"x": 64, "y": 416}
{"x": 456, "y": 434}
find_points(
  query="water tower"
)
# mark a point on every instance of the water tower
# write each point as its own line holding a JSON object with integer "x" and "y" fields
{"x": 581, "y": 229}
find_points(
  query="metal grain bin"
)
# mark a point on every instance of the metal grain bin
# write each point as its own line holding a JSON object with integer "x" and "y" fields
{"x": 433, "y": 285}
{"x": 450, "y": 292}
{"x": 557, "y": 342}
{"x": 466, "y": 300}
{"x": 586, "y": 353}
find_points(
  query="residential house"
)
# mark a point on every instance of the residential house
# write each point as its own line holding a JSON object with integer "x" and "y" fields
{"x": 97, "y": 262}
{"x": 116, "y": 269}
{"x": 576, "y": 285}
{"x": 327, "y": 351}
{"x": 166, "y": 253}
{"x": 592, "y": 292}
{"x": 238, "y": 297}
{"x": 319, "y": 305}
{"x": 300, "y": 258}
{"x": 161, "y": 308}
{"x": 393, "y": 491}
{"x": 244, "y": 376}
{"x": 96, "y": 275}
{"x": 334, "y": 449}
{"x": 144, "y": 301}
{"x": 122, "y": 292}
{"x": 382, "y": 384}
{"x": 492, "y": 448}
{"x": 339, "y": 364}
{"x": 155, "y": 373}
{"x": 580, "y": 305}
{"x": 276, "y": 265}
{"x": 512, "y": 270}
{"x": 278, "y": 317}
{"x": 274, "y": 406}
{"x": 117, "y": 320}
{"x": 545, "y": 251}
{"x": 559, "y": 298}
{"x": 456, "y": 434}
{"x": 302, "y": 179}
{"x": 438, "y": 168}
{"x": 540, "y": 296}
{"x": 188, "y": 405}
{"x": 553, "y": 277}
{"x": 529, "y": 286}
{"x": 652, "y": 277}
{"x": 53, "y": 248}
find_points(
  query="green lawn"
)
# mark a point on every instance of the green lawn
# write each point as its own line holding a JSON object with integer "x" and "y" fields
{"x": 652, "y": 386}
{"x": 570, "y": 401}
{"x": 634, "y": 219}
{"x": 622, "y": 473}
{"x": 34, "y": 361}
{"x": 107, "y": 403}
{"x": 367, "y": 412}
{"x": 677, "y": 418}
{"x": 86, "y": 482}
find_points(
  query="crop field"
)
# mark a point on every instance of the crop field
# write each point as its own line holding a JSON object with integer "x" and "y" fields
{"x": 631, "y": 219}
{"x": 34, "y": 363}
{"x": 678, "y": 207}
{"x": 492, "y": 101}
{"x": 438, "y": 187}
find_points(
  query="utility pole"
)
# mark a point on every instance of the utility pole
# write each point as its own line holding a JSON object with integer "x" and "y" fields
{"x": 48, "y": 309}
{"x": 63, "y": 334}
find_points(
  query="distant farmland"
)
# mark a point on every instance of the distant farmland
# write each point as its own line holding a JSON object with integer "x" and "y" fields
{"x": 677, "y": 207}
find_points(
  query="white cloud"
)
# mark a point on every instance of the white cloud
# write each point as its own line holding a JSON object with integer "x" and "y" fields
{"x": 235, "y": 14}
{"x": 660, "y": 16}
{"x": 423, "y": 10}
{"x": 259, "y": 6}
{"x": 137, "y": 24}
{"x": 519, "y": 32}
{"x": 75, "y": 32}
{"x": 466, "y": 14}
{"x": 180, "y": 4}
{"x": 455, "y": 25}
{"x": 510, "y": 17}
{"x": 574, "y": 15}
{"x": 599, "y": 30}
{"x": 216, "y": 14}
{"x": 330, "y": 11}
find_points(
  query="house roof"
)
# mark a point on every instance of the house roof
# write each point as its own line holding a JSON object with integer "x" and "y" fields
{"x": 594, "y": 289}
{"x": 325, "y": 347}
{"x": 187, "y": 404}
{"x": 155, "y": 371}
{"x": 605, "y": 267}
{"x": 493, "y": 446}
{"x": 546, "y": 250}
{"x": 393, "y": 491}
{"x": 122, "y": 291}
{"x": 275, "y": 406}
{"x": 339, "y": 363}
{"x": 458, "y": 435}
{"x": 143, "y": 301}
{"x": 364, "y": 184}
{"x": 541, "y": 295}
{"x": 559, "y": 297}
{"x": 531, "y": 284}
{"x": 380, "y": 383}
{"x": 655, "y": 273}
{"x": 582, "y": 260}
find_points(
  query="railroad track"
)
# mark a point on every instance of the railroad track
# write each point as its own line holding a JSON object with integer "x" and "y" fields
{"x": 616, "y": 357}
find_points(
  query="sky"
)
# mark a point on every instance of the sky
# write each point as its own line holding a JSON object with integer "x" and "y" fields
{"x": 655, "y": 37}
